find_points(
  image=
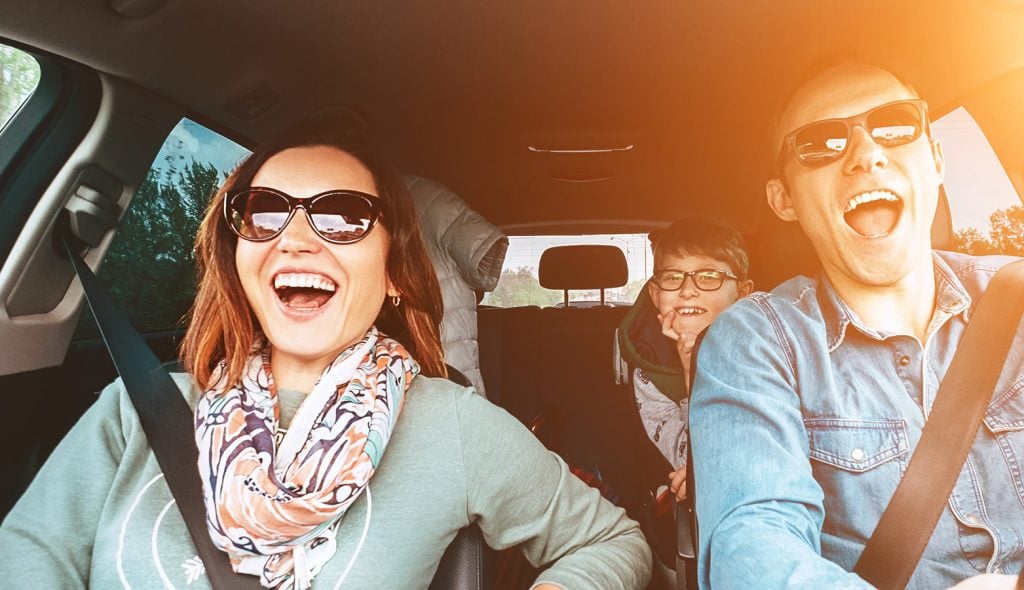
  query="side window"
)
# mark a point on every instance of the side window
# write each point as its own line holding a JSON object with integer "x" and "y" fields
{"x": 19, "y": 76}
{"x": 519, "y": 284}
{"x": 149, "y": 269}
{"x": 987, "y": 214}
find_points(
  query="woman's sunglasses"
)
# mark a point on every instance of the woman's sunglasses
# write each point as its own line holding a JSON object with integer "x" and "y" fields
{"x": 823, "y": 142}
{"x": 258, "y": 214}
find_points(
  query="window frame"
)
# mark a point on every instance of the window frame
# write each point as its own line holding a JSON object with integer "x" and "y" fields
{"x": 40, "y": 137}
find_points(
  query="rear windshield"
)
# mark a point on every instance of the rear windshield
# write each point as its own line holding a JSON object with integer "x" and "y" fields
{"x": 519, "y": 284}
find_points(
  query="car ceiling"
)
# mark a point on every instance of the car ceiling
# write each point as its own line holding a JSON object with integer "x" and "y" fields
{"x": 457, "y": 90}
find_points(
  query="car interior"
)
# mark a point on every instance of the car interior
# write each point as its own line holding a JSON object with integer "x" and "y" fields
{"x": 547, "y": 118}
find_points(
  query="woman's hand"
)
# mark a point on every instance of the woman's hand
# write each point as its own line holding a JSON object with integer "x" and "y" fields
{"x": 677, "y": 483}
{"x": 987, "y": 582}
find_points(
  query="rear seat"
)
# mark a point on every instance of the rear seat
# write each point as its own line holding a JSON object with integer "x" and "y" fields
{"x": 533, "y": 359}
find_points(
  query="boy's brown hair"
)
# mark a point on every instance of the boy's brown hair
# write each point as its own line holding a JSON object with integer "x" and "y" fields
{"x": 702, "y": 236}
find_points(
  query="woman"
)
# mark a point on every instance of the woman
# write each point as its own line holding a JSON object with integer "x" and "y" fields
{"x": 331, "y": 450}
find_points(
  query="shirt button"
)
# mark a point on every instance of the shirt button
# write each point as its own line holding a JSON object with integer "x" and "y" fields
{"x": 904, "y": 361}
{"x": 857, "y": 454}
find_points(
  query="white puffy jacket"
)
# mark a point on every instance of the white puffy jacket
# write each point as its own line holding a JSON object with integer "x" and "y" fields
{"x": 467, "y": 253}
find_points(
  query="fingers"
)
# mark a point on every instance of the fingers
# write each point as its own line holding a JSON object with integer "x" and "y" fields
{"x": 686, "y": 342}
{"x": 667, "y": 319}
{"x": 677, "y": 484}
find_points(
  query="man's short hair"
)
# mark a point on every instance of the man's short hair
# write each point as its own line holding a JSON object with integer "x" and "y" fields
{"x": 702, "y": 236}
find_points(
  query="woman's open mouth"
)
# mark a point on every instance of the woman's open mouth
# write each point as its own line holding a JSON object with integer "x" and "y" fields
{"x": 873, "y": 214}
{"x": 304, "y": 291}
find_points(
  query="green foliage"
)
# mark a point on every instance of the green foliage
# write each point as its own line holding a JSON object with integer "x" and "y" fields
{"x": 19, "y": 75}
{"x": 1005, "y": 237}
{"x": 150, "y": 268}
{"x": 520, "y": 287}
{"x": 629, "y": 292}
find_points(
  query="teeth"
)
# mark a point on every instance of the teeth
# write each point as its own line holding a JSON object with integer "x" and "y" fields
{"x": 689, "y": 310}
{"x": 304, "y": 280}
{"x": 869, "y": 197}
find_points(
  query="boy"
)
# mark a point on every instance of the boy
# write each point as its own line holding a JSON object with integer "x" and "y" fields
{"x": 700, "y": 268}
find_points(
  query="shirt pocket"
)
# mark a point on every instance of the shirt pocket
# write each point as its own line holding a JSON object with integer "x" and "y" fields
{"x": 1004, "y": 419}
{"x": 856, "y": 445}
{"x": 1006, "y": 414}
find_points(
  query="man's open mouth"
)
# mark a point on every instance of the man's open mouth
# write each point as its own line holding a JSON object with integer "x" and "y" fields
{"x": 304, "y": 291}
{"x": 873, "y": 214}
{"x": 691, "y": 310}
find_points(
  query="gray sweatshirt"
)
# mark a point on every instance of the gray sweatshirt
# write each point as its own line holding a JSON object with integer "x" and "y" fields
{"x": 99, "y": 514}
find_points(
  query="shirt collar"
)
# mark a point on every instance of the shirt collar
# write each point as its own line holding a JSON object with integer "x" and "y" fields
{"x": 951, "y": 298}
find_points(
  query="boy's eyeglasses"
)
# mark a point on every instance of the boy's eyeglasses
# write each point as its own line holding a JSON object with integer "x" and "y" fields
{"x": 258, "y": 214}
{"x": 705, "y": 279}
{"x": 889, "y": 125}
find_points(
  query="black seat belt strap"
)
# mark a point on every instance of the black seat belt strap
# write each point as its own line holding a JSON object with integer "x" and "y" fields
{"x": 894, "y": 549}
{"x": 166, "y": 419}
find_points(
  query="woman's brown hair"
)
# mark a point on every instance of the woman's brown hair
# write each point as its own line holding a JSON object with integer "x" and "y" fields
{"x": 222, "y": 325}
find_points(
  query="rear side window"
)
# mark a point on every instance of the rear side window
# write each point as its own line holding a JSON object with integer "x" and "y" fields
{"x": 987, "y": 214}
{"x": 519, "y": 283}
{"x": 150, "y": 267}
{"x": 19, "y": 76}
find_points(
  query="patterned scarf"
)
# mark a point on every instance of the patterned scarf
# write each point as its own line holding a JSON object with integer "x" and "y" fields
{"x": 275, "y": 510}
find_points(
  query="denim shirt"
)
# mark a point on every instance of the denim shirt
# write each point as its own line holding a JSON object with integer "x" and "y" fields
{"x": 803, "y": 420}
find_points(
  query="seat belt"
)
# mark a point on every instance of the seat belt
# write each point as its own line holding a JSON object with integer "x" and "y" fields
{"x": 894, "y": 549}
{"x": 166, "y": 419}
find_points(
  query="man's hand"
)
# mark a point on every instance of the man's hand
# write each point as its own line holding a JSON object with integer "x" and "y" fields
{"x": 987, "y": 582}
{"x": 677, "y": 483}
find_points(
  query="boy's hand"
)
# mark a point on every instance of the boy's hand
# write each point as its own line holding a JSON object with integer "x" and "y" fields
{"x": 672, "y": 327}
{"x": 677, "y": 483}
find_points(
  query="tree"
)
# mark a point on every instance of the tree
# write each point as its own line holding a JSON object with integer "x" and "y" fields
{"x": 1006, "y": 235}
{"x": 19, "y": 75}
{"x": 150, "y": 268}
{"x": 970, "y": 240}
{"x": 520, "y": 287}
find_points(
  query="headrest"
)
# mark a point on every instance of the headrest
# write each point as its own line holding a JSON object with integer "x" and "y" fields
{"x": 583, "y": 267}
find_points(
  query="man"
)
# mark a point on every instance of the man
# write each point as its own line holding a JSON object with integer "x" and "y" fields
{"x": 809, "y": 401}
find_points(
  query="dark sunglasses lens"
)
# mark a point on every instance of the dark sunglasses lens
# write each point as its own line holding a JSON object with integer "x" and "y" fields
{"x": 342, "y": 218}
{"x": 895, "y": 124}
{"x": 821, "y": 143}
{"x": 708, "y": 280}
{"x": 257, "y": 215}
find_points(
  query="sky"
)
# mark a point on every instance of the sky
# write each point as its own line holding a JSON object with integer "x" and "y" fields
{"x": 976, "y": 184}
{"x": 191, "y": 140}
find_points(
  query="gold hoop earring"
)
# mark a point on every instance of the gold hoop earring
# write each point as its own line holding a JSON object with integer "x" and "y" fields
{"x": 396, "y": 299}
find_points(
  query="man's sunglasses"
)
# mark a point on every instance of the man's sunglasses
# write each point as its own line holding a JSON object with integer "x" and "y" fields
{"x": 823, "y": 142}
{"x": 705, "y": 279}
{"x": 258, "y": 214}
